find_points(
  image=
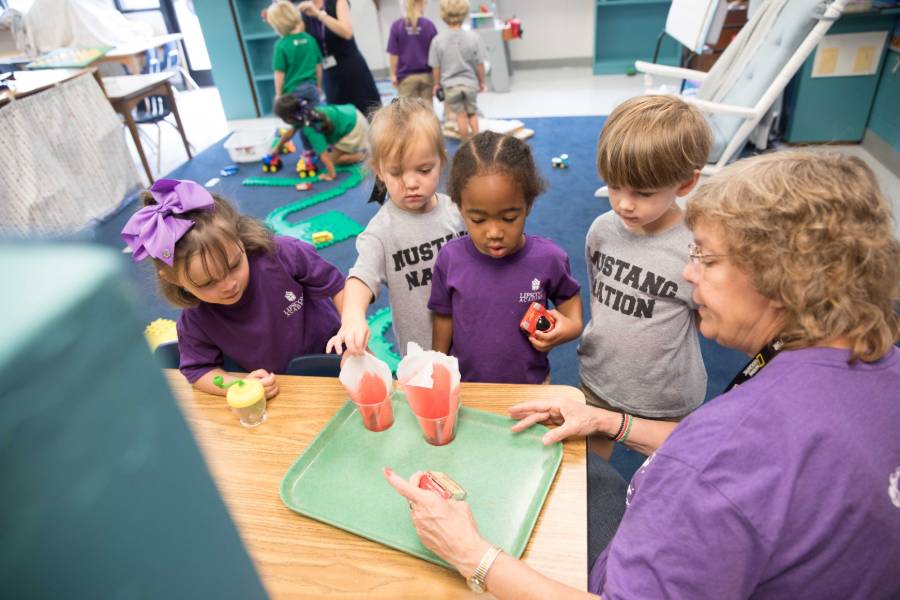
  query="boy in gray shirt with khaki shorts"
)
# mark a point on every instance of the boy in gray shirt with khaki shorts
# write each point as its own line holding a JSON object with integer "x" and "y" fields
{"x": 640, "y": 353}
{"x": 456, "y": 57}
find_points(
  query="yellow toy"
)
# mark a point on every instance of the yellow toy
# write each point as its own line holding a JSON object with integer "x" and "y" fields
{"x": 322, "y": 237}
{"x": 160, "y": 331}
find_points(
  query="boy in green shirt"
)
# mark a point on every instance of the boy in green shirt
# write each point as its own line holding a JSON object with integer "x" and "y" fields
{"x": 296, "y": 58}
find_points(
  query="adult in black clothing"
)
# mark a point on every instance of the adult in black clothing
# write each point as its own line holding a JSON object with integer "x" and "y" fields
{"x": 347, "y": 79}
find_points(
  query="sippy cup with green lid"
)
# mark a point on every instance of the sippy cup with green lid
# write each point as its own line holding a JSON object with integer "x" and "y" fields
{"x": 247, "y": 399}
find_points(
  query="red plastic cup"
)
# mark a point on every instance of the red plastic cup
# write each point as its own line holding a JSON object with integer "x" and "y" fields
{"x": 436, "y": 408}
{"x": 374, "y": 403}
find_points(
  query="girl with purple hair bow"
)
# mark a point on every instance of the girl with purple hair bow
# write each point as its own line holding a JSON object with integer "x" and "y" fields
{"x": 257, "y": 298}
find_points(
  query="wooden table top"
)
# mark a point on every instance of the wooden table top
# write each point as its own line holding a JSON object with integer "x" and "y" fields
{"x": 25, "y": 83}
{"x": 298, "y": 557}
{"x": 125, "y": 86}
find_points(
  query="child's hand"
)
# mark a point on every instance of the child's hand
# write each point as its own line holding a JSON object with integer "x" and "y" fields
{"x": 270, "y": 385}
{"x": 394, "y": 81}
{"x": 564, "y": 330}
{"x": 355, "y": 336}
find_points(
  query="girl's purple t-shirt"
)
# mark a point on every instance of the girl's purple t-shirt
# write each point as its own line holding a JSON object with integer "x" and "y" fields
{"x": 488, "y": 297}
{"x": 785, "y": 487}
{"x": 286, "y": 311}
{"x": 410, "y": 46}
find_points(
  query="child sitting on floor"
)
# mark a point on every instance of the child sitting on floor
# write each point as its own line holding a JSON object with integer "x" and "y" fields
{"x": 336, "y": 132}
{"x": 257, "y": 298}
{"x": 484, "y": 283}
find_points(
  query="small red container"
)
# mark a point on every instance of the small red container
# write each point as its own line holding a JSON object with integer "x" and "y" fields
{"x": 537, "y": 318}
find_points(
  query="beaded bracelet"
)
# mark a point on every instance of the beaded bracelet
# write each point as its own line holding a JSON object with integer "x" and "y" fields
{"x": 620, "y": 430}
{"x": 627, "y": 430}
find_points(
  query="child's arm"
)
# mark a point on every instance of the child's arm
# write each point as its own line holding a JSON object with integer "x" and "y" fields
{"x": 436, "y": 73}
{"x": 205, "y": 383}
{"x": 279, "y": 84}
{"x": 393, "y": 60}
{"x": 441, "y": 332}
{"x": 569, "y": 322}
{"x": 480, "y": 70}
{"x": 354, "y": 332}
{"x": 288, "y": 134}
{"x": 330, "y": 173}
{"x": 338, "y": 300}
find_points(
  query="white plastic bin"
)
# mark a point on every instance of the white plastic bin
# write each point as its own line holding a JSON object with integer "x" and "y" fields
{"x": 249, "y": 145}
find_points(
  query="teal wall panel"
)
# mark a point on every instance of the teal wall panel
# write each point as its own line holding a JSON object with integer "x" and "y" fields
{"x": 224, "y": 46}
{"x": 834, "y": 109}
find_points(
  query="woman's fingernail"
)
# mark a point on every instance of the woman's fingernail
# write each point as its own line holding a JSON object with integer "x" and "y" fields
{"x": 387, "y": 471}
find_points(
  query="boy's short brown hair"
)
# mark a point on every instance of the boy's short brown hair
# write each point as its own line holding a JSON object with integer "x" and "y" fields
{"x": 454, "y": 12}
{"x": 652, "y": 142}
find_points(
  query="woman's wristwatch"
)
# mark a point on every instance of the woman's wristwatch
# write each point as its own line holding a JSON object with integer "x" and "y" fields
{"x": 476, "y": 581}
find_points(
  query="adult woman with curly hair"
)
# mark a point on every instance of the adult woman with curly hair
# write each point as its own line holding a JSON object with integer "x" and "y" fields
{"x": 788, "y": 484}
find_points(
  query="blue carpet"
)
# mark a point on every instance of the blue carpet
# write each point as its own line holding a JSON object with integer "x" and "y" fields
{"x": 564, "y": 213}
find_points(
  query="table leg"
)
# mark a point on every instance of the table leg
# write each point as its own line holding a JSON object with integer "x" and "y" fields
{"x": 125, "y": 111}
{"x": 171, "y": 97}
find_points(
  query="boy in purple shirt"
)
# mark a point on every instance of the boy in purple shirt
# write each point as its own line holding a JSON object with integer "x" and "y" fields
{"x": 257, "y": 299}
{"x": 408, "y": 44}
{"x": 484, "y": 283}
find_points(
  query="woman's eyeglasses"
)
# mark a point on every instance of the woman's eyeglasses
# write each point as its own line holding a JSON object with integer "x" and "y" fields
{"x": 698, "y": 257}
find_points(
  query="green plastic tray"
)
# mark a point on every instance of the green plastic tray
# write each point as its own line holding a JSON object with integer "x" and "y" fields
{"x": 338, "y": 479}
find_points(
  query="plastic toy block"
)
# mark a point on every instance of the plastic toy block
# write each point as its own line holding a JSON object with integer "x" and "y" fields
{"x": 303, "y": 187}
{"x": 322, "y": 237}
{"x": 160, "y": 331}
{"x": 380, "y": 322}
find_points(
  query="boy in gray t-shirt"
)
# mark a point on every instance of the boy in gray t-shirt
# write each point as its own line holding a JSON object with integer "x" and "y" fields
{"x": 456, "y": 58}
{"x": 640, "y": 353}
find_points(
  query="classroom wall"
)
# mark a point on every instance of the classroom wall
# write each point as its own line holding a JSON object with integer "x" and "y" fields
{"x": 554, "y": 31}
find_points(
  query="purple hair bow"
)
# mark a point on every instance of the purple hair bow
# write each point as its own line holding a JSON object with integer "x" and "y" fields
{"x": 153, "y": 231}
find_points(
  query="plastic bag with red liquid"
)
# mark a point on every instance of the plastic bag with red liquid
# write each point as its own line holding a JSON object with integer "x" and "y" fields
{"x": 368, "y": 381}
{"x": 431, "y": 382}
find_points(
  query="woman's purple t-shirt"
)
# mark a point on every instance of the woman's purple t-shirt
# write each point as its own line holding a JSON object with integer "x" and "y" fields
{"x": 786, "y": 487}
{"x": 488, "y": 297}
{"x": 410, "y": 46}
{"x": 286, "y": 311}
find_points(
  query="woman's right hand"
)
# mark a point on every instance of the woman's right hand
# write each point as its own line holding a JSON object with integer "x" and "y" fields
{"x": 571, "y": 416}
{"x": 353, "y": 335}
{"x": 308, "y": 8}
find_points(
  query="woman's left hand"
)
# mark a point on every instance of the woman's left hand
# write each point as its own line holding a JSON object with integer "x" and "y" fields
{"x": 446, "y": 527}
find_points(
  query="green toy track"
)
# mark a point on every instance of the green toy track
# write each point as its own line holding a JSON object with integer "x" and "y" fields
{"x": 340, "y": 225}
{"x": 379, "y": 323}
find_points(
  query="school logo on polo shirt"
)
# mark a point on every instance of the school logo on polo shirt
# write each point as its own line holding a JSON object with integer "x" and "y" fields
{"x": 295, "y": 303}
{"x": 535, "y": 295}
{"x": 894, "y": 487}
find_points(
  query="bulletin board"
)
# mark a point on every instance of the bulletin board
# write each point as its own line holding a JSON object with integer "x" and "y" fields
{"x": 849, "y": 54}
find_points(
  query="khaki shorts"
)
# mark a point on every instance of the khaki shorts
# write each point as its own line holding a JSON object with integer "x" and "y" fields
{"x": 358, "y": 138}
{"x": 462, "y": 99}
{"x": 595, "y": 400}
{"x": 417, "y": 85}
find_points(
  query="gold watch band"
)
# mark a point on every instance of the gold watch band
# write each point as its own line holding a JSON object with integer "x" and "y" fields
{"x": 484, "y": 566}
